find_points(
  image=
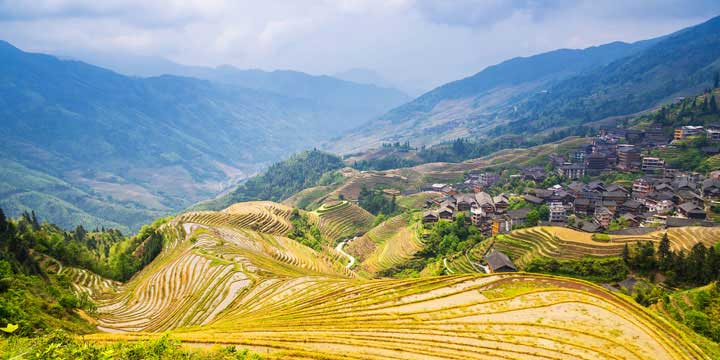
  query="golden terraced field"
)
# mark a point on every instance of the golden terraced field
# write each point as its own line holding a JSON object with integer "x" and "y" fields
{"x": 562, "y": 243}
{"x": 232, "y": 283}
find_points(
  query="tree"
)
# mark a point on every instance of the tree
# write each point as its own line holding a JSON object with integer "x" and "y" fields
{"x": 713, "y": 104}
{"x": 626, "y": 254}
{"x": 532, "y": 218}
{"x": 716, "y": 83}
{"x": 3, "y": 222}
{"x": 664, "y": 253}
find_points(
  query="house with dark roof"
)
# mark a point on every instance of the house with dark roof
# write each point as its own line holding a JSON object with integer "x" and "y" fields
{"x": 633, "y": 207}
{"x": 518, "y": 216}
{"x": 711, "y": 189}
{"x": 582, "y": 206}
{"x": 499, "y": 262}
{"x": 501, "y": 203}
{"x": 445, "y": 213}
{"x": 465, "y": 202}
{"x": 533, "y": 199}
{"x": 485, "y": 202}
{"x": 430, "y": 217}
{"x": 691, "y": 211}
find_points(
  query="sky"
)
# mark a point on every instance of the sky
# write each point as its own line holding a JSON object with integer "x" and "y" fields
{"x": 414, "y": 44}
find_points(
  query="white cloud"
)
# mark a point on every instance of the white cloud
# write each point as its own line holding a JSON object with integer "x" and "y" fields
{"x": 418, "y": 43}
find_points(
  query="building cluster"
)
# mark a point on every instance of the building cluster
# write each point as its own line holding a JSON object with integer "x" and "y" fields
{"x": 661, "y": 197}
{"x": 671, "y": 199}
{"x": 488, "y": 213}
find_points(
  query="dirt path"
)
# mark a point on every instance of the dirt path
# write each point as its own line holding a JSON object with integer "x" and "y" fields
{"x": 446, "y": 267}
{"x": 339, "y": 248}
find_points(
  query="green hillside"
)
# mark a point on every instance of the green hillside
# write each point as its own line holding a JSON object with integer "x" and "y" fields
{"x": 131, "y": 149}
{"x": 281, "y": 180}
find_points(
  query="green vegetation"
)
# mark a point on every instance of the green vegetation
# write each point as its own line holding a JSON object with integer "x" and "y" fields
{"x": 464, "y": 149}
{"x": 304, "y": 232}
{"x": 60, "y": 345}
{"x": 40, "y": 299}
{"x": 376, "y": 202}
{"x": 698, "y": 267}
{"x": 609, "y": 269}
{"x": 281, "y": 180}
{"x": 447, "y": 237}
{"x": 699, "y": 309}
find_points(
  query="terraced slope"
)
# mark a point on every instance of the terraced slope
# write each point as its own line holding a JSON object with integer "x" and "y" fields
{"x": 232, "y": 285}
{"x": 515, "y": 316}
{"x": 386, "y": 245}
{"x": 262, "y": 216}
{"x": 201, "y": 273}
{"x": 562, "y": 243}
{"x": 341, "y": 219}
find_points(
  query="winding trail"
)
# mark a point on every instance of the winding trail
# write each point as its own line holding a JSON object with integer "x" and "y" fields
{"x": 446, "y": 267}
{"x": 339, "y": 249}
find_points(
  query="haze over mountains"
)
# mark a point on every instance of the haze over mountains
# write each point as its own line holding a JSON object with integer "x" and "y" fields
{"x": 71, "y": 128}
{"x": 558, "y": 88}
{"x": 71, "y": 131}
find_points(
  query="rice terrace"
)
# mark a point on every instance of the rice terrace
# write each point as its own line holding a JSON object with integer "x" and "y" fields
{"x": 222, "y": 279}
{"x": 363, "y": 180}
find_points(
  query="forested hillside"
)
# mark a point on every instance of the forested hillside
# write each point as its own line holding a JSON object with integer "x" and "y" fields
{"x": 681, "y": 64}
{"x": 552, "y": 91}
{"x": 281, "y": 180}
{"x": 468, "y": 106}
{"x": 39, "y": 263}
{"x": 84, "y": 145}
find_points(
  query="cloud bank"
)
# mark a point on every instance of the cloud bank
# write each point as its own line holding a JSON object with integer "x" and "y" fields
{"x": 417, "y": 44}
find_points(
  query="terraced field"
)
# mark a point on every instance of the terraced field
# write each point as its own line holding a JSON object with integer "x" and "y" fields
{"x": 262, "y": 216}
{"x": 341, "y": 219}
{"x": 386, "y": 245}
{"x": 562, "y": 243}
{"x": 228, "y": 284}
{"x": 516, "y": 316}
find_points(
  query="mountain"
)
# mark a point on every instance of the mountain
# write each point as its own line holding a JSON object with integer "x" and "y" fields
{"x": 681, "y": 64}
{"x": 279, "y": 181}
{"x": 554, "y": 89}
{"x": 351, "y": 102}
{"x": 85, "y": 145}
{"x": 452, "y": 110}
{"x": 364, "y": 76}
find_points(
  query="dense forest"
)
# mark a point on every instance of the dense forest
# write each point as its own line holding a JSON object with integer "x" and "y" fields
{"x": 280, "y": 180}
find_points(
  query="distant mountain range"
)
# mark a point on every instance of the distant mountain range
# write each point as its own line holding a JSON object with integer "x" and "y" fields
{"x": 351, "y": 99}
{"x": 554, "y": 89}
{"x": 85, "y": 145}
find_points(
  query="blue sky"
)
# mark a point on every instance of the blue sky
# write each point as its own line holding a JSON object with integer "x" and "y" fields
{"x": 416, "y": 44}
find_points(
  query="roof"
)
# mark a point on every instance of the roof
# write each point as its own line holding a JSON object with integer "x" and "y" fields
{"x": 430, "y": 213}
{"x": 533, "y": 199}
{"x": 688, "y": 206}
{"x": 467, "y": 198}
{"x": 628, "y": 284}
{"x": 499, "y": 198}
{"x": 518, "y": 213}
{"x": 632, "y": 204}
{"x": 591, "y": 227}
{"x": 483, "y": 198}
{"x": 497, "y": 260}
{"x": 582, "y": 201}
{"x": 679, "y": 222}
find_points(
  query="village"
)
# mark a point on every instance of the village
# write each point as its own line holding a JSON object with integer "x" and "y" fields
{"x": 653, "y": 195}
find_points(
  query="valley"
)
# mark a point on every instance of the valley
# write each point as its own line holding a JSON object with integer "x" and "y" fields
{"x": 561, "y": 205}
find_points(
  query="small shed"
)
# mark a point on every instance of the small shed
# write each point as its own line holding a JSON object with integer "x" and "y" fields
{"x": 499, "y": 262}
